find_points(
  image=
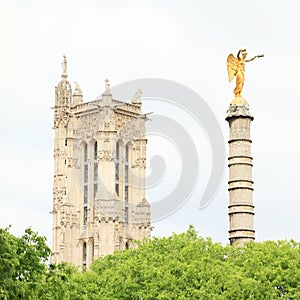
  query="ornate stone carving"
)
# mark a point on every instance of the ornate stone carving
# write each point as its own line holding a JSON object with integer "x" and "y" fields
{"x": 133, "y": 129}
{"x": 236, "y": 110}
{"x": 88, "y": 125}
{"x": 86, "y": 206}
{"x": 105, "y": 155}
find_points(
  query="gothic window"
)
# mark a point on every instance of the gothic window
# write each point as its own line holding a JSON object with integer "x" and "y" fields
{"x": 95, "y": 170}
{"x": 85, "y": 153}
{"x": 85, "y": 183}
{"x": 127, "y": 153}
{"x": 86, "y": 173}
{"x": 117, "y": 151}
{"x": 85, "y": 194}
{"x": 84, "y": 254}
{"x": 85, "y": 165}
{"x": 95, "y": 151}
{"x": 95, "y": 189}
{"x": 117, "y": 164}
{"x": 126, "y": 193}
{"x": 126, "y": 172}
{"x": 84, "y": 215}
{"x": 126, "y": 181}
{"x": 126, "y": 214}
{"x": 93, "y": 249}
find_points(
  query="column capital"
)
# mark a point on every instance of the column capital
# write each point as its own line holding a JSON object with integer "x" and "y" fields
{"x": 238, "y": 111}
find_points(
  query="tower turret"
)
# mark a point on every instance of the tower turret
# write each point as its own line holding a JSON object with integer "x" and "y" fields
{"x": 61, "y": 207}
{"x": 63, "y": 91}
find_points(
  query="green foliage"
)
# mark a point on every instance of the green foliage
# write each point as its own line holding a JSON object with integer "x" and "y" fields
{"x": 185, "y": 266}
{"x": 56, "y": 283}
{"x": 22, "y": 263}
{"x": 182, "y": 266}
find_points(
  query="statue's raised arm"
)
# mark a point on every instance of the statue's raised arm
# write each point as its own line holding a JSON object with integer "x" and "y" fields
{"x": 236, "y": 67}
{"x": 256, "y": 56}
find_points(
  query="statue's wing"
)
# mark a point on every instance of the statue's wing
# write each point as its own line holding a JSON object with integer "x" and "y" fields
{"x": 232, "y": 66}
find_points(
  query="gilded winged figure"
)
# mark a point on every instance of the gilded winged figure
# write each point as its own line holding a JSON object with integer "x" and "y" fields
{"x": 236, "y": 67}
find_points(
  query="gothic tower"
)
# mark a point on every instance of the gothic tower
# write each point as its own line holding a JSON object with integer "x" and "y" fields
{"x": 99, "y": 203}
{"x": 241, "y": 208}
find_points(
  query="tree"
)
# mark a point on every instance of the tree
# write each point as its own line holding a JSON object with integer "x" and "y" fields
{"x": 182, "y": 266}
{"x": 186, "y": 266}
{"x": 22, "y": 263}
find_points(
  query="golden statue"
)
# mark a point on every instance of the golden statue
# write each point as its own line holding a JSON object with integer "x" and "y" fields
{"x": 236, "y": 67}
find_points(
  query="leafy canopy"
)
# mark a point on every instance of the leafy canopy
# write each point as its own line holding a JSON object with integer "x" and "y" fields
{"x": 186, "y": 266}
{"x": 22, "y": 263}
{"x": 182, "y": 266}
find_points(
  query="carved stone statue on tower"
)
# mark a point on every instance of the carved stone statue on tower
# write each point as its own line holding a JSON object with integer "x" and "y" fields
{"x": 64, "y": 67}
{"x": 107, "y": 87}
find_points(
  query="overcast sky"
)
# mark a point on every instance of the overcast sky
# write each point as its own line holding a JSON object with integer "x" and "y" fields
{"x": 184, "y": 41}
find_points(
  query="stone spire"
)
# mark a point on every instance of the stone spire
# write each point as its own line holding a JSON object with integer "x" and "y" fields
{"x": 136, "y": 99}
{"x": 241, "y": 208}
{"x": 63, "y": 91}
{"x": 77, "y": 95}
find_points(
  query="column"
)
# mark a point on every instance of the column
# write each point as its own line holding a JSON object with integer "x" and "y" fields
{"x": 241, "y": 208}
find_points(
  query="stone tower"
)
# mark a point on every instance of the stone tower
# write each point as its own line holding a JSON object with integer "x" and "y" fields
{"x": 99, "y": 203}
{"x": 241, "y": 209}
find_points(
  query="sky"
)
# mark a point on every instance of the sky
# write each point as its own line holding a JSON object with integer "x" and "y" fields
{"x": 183, "y": 41}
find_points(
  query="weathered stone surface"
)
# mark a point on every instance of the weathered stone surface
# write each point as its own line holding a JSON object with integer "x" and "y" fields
{"x": 240, "y": 184}
{"x": 238, "y": 108}
{"x": 90, "y": 218}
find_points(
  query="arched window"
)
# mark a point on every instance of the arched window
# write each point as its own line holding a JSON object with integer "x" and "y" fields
{"x": 93, "y": 249}
{"x": 85, "y": 183}
{"x": 126, "y": 183}
{"x": 117, "y": 164}
{"x": 95, "y": 170}
{"x": 84, "y": 254}
{"x": 85, "y": 153}
{"x": 127, "y": 245}
{"x": 84, "y": 214}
